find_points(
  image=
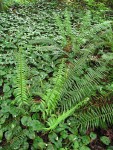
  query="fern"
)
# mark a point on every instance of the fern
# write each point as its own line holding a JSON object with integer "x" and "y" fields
{"x": 61, "y": 29}
{"x": 82, "y": 81}
{"x": 21, "y": 85}
{"x": 68, "y": 92}
{"x": 51, "y": 98}
{"x": 54, "y": 121}
{"x": 17, "y": 138}
{"x": 80, "y": 84}
{"x": 69, "y": 88}
{"x": 87, "y": 36}
{"x": 95, "y": 117}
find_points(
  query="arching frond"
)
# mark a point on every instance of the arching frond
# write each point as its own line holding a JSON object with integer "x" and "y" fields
{"x": 52, "y": 97}
{"x": 54, "y": 121}
{"x": 80, "y": 84}
{"x": 95, "y": 117}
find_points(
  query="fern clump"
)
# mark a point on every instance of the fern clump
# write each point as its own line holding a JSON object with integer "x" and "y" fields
{"x": 90, "y": 35}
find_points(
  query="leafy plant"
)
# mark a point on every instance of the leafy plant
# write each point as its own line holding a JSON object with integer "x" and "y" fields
{"x": 77, "y": 40}
{"x": 4, "y": 4}
{"x": 21, "y": 89}
{"x": 105, "y": 140}
{"x": 27, "y": 121}
{"x": 42, "y": 107}
{"x": 85, "y": 82}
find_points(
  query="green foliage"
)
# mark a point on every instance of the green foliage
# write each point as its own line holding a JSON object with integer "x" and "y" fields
{"x": 52, "y": 96}
{"x": 105, "y": 140}
{"x": 43, "y": 60}
{"x": 93, "y": 5}
{"x": 95, "y": 117}
{"x": 20, "y": 91}
{"x": 93, "y": 136}
{"x": 84, "y": 38}
{"x": 82, "y": 48}
{"x": 65, "y": 29}
{"x": 42, "y": 107}
{"x": 53, "y": 121}
{"x": 6, "y": 4}
{"x": 33, "y": 125}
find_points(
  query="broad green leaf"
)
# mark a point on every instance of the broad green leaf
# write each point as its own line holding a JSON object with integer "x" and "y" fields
{"x": 76, "y": 144}
{"x": 93, "y": 135}
{"x": 6, "y": 88}
{"x": 105, "y": 140}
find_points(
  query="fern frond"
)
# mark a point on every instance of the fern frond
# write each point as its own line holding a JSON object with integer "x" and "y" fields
{"x": 88, "y": 35}
{"x": 18, "y": 139}
{"x": 95, "y": 117}
{"x": 80, "y": 84}
{"x": 67, "y": 23}
{"x": 52, "y": 96}
{"x": 54, "y": 121}
{"x": 21, "y": 87}
{"x": 60, "y": 25}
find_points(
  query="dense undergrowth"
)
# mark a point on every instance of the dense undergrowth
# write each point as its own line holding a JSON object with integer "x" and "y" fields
{"x": 56, "y": 77}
